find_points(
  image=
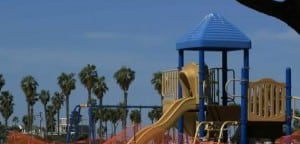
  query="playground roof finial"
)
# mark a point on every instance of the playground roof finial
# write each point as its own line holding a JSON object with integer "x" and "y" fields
{"x": 214, "y": 33}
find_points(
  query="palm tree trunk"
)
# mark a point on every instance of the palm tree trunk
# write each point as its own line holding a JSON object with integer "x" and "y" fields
{"x": 28, "y": 117}
{"x": 125, "y": 116}
{"x": 115, "y": 129}
{"x": 106, "y": 130}
{"x": 31, "y": 117}
{"x": 45, "y": 117}
{"x": 58, "y": 122}
{"x": 89, "y": 96}
{"x": 100, "y": 120}
{"x": 6, "y": 119}
{"x": 124, "y": 121}
{"x": 67, "y": 112}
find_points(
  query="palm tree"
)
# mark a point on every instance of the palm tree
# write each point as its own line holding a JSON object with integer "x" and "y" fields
{"x": 2, "y": 81}
{"x": 124, "y": 77}
{"x": 105, "y": 115}
{"x": 15, "y": 120}
{"x": 3, "y": 133}
{"x": 157, "y": 113}
{"x": 26, "y": 122}
{"x": 66, "y": 83}
{"x": 135, "y": 117}
{"x": 29, "y": 86}
{"x": 156, "y": 81}
{"x": 44, "y": 98}
{"x": 99, "y": 89}
{"x": 6, "y": 105}
{"x": 115, "y": 117}
{"x": 87, "y": 77}
{"x": 151, "y": 115}
{"x": 57, "y": 101}
{"x": 50, "y": 118}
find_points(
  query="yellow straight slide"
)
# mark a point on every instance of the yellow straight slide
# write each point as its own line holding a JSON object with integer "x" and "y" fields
{"x": 167, "y": 120}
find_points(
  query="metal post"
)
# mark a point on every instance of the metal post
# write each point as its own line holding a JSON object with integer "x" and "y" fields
{"x": 244, "y": 101}
{"x": 201, "y": 93}
{"x": 180, "y": 122}
{"x": 224, "y": 78}
{"x": 288, "y": 85}
{"x": 92, "y": 125}
{"x": 224, "y": 81}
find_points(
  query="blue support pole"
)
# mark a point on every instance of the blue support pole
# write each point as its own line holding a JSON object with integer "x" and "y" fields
{"x": 244, "y": 101}
{"x": 288, "y": 84}
{"x": 181, "y": 121}
{"x": 201, "y": 116}
{"x": 92, "y": 125}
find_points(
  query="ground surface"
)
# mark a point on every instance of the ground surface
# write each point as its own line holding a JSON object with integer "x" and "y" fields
{"x": 19, "y": 138}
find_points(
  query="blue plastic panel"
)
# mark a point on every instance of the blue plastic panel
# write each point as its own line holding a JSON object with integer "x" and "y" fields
{"x": 214, "y": 33}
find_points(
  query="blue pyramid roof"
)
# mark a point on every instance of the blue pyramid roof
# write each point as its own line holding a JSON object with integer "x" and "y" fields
{"x": 214, "y": 33}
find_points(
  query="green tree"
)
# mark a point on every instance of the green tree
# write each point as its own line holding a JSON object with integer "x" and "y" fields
{"x": 15, "y": 120}
{"x": 3, "y": 133}
{"x": 66, "y": 83}
{"x": 151, "y": 115}
{"x": 156, "y": 81}
{"x": 50, "y": 118}
{"x": 124, "y": 77}
{"x": 99, "y": 89}
{"x": 105, "y": 115}
{"x": 135, "y": 117}
{"x": 114, "y": 118}
{"x": 57, "y": 101}
{"x": 29, "y": 86}
{"x": 6, "y": 105}
{"x": 2, "y": 81}
{"x": 87, "y": 77}
{"x": 157, "y": 113}
{"x": 25, "y": 121}
{"x": 44, "y": 98}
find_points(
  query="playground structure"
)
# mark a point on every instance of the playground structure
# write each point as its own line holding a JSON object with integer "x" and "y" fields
{"x": 265, "y": 105}
{"x": 197, "y": 98}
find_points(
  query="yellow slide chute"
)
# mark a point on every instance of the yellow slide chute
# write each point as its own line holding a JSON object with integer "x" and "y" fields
{"x": 188, "y": 77}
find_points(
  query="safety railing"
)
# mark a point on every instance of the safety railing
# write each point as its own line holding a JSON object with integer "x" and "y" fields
{"x": 170, "y": 84}
{"x": 295, "y": 115}
{"x": 233, "y": 95}
{"x": 266, "y": 100}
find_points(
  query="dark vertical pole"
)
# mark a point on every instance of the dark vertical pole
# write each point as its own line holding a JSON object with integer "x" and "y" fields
{"x": 92, "y": 125}
{"x": 244, "y": 101}
{"x": 201, "y": 92}
{"x": 180, "y": 122}
{"x": 224, "y": 80}
{"x": 224, "y": 77}
{"x": 288, "y": 84}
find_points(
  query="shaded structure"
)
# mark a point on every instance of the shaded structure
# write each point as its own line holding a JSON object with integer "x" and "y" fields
{"x": 215, "y": 33}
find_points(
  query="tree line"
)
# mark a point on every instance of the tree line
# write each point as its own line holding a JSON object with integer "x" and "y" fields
{"x": 95, "y": 85}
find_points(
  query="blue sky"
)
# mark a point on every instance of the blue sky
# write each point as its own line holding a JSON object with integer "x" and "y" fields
{"x": 45, "y": 38}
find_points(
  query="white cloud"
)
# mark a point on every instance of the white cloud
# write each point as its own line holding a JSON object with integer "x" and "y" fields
{"x": 268, "y": 34}
{"x": 136, "y": 38}
{"x": 101, "y": 35}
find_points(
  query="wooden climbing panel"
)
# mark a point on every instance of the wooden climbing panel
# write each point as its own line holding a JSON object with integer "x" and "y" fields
{"x": 266, "y": 100}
